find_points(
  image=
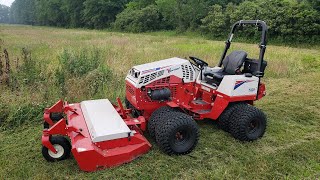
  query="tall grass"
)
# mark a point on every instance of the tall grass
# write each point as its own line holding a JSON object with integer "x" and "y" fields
{"x": 79, "y": 75}
{"x": 47, "y": 64}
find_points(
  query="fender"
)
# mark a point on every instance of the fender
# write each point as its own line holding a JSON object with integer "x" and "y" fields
{"x": 172, "y": 104}
{"x": 219, "y": 106}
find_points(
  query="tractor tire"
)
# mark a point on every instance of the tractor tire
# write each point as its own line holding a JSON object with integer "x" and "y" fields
{"x": 62, "y": 146}
{"x": 224, "y": 119}
{"x": 178, "y": 135}
{"x": 248, "y": 123}
{"x": 156, "y": 117}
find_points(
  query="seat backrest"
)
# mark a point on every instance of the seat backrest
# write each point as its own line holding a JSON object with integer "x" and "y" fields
{"x": 234, "y": 61}
{"x": 251, "y": 66}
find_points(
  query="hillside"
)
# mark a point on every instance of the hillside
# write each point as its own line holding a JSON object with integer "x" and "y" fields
{"x": 52, "y": 63}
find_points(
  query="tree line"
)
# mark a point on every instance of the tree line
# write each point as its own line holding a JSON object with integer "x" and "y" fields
{"x": 294, "y": 20}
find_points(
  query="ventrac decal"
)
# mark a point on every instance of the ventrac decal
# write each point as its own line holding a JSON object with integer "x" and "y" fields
{"x": 173, "y": 69}
{"x": 239, "y": 83}
{"x": 154, "y": 69}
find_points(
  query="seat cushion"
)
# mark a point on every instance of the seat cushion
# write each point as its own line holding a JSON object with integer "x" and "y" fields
{"x": 234, "y": 61}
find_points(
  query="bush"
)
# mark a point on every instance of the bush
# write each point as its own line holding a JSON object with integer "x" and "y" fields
{"x": 146, "y": 19}
{"x": 82, "y": 74}
{"x": 79, "y": 63}
{"x": 290, "y": 21}
{"x": 16, "y": 116}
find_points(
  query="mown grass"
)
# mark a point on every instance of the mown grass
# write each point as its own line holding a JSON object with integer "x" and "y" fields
{"x": 290, "y": 148}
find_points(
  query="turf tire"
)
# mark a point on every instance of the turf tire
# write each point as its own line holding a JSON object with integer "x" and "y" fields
{"x": 178, "y": 135}
{"x": 248, "y": 123}
{"x": 157, "y": 117}
{"x": 224, "y": 119}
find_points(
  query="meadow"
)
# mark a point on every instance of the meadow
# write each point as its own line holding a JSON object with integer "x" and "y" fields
{"x": 47, "y": 64}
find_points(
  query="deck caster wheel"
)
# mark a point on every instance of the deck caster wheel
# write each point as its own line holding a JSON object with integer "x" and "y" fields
{"x": 62, "y": 146}
{"x": 178, "y": 134}
{"x": 55, "y": 117}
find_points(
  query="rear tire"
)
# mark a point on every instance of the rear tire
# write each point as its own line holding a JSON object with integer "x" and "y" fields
{"x": 224, "y": 119}
{"x": 177, "y": 135}
{"x": 62, "y": 146}
{"x": 248, "y": 123}
{"x": 157, "y": 117}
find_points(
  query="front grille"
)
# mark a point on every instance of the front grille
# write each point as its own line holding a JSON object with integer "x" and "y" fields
{"x": 129, "y": 89}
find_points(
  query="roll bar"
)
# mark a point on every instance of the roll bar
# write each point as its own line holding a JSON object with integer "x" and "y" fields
{"x": 262, "y": 45}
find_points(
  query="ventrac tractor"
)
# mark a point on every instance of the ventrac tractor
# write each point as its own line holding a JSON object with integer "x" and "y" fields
{"x": 165, "y": 98}
{"x": 174, "y": 92}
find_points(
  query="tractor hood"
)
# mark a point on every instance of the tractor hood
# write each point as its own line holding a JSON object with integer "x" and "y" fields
{"x": 145, "y": 74}
{"x": 158, "y": 65}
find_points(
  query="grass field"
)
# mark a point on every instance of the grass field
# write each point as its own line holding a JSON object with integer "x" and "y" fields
{"x": 71, "y": 64}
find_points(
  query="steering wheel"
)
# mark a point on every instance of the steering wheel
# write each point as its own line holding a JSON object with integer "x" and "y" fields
{"x": 198, "y": 61}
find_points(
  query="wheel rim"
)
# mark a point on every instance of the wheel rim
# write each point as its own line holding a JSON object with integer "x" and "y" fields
{"x": 253, "y": 126}
{"x": 59, "y": 149}
{"x": 181, "y": 137}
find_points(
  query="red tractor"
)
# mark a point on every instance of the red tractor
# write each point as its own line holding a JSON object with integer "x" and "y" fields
{"x": 165, "y": 98}
{"x": 174, "y": 92}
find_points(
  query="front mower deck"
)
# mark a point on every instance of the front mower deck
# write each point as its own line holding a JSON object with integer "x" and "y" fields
{"x": 99, "y": 136}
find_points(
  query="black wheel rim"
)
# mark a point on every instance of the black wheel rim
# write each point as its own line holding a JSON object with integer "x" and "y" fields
{"x": 182, "y": 139}
{"x": 253, "y": 126}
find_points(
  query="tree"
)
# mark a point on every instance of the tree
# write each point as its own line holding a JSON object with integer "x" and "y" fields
{"x": 215, "y": 21}
{"x": 23, "y": 12}
{"x": 183, "y": 14}
{"x": 101, "y": 13}
{"x": 145, "y": 19}
{"x": 4, "y": 14}
{"x": 73, "y": 10}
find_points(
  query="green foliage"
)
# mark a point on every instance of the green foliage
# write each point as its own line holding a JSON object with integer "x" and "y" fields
{"x": 87, "y": 65}
{"x": 183, "y": 15}
{"x": 21, "y": 114}
{"x": 214, "y": 22}
{"x": 79, "y": 63}
{"x": 311, "y": 63}
{"x": 23, "y": 12}
{"x": 287, "y": 20}
{"x": 101, "y": 13}
{"x": 28, "y": 72}
{"x": 295, "y": 21}
{"x": 146, "y": 19}
{"x": 4, "y": 14}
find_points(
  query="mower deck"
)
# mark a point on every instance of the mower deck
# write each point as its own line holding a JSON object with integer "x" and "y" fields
{"x": 99, "y": 136}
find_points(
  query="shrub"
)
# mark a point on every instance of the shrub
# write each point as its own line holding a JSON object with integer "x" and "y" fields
{"x": 146, "y": 19}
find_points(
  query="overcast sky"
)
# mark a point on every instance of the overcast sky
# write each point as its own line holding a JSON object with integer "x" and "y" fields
{"x": 6, "y": 2}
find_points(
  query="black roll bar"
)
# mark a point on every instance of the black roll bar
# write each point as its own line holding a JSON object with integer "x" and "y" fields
{"x": 262, "y": 45}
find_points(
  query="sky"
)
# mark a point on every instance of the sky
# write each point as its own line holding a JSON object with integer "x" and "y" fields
{"x": 6, "y": 2}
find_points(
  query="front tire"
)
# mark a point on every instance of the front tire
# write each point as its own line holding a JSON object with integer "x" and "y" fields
{"x": 248, "y": 123}
{"x": 156, "y": 119}
{"x": 178, "y": 135}
{"x": 62, "y": 146}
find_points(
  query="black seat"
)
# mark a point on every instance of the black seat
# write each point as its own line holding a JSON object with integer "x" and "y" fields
{"x": 231, "y": 65}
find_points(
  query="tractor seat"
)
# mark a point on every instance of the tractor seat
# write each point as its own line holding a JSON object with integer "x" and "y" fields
{"x": 231, "y": 65}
